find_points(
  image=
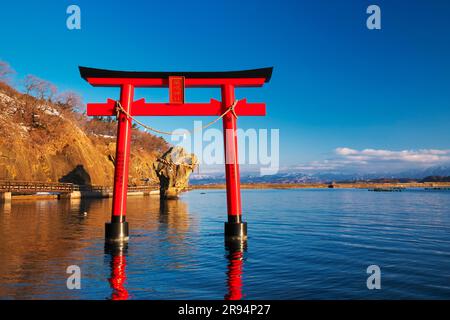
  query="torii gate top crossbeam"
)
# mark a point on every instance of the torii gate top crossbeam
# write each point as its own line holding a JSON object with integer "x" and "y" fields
{"x": 110, "y": 78}
{"x": 242, "y": 78}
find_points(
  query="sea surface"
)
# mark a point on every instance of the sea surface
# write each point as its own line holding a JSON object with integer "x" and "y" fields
{"x": 303, "y": 244}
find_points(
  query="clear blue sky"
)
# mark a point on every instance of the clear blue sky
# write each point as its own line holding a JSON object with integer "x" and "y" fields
{"x": 335, "y": 83}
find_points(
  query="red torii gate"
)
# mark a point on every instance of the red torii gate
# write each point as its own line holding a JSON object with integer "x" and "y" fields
{"x": 235, "y": 228}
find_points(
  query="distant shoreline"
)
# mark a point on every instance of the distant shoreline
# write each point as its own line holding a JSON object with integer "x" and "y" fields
{"x": 356, "y": 185}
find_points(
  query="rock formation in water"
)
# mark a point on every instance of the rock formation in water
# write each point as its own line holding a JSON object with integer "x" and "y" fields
{"x": 173, "y": 169}
{"x": 45, "y": 141}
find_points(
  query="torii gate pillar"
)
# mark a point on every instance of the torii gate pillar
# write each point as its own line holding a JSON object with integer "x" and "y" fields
{"x": 235, "y": 229}
{"x": 118, "y": 228}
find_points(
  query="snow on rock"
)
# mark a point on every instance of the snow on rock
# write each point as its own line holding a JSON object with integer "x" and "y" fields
{"x": 104, "y": 136}
{"x": 48, "y": 110}
{"x": 5, "y": 98}
{"x": 24, "y": 127}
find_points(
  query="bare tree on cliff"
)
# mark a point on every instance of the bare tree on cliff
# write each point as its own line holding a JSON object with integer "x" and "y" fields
{"x": 70, "y": 100}
{"x": 5, "y": 71}
{"x": 39, "y": 88}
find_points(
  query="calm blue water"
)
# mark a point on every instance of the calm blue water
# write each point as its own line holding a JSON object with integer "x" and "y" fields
{"x": 303, "y": 244}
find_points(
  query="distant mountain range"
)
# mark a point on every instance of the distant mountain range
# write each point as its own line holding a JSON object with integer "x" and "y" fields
{"x": 317, "y": 177}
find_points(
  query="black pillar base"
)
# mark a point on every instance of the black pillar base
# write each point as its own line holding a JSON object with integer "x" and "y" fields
{"x": 233, "y": 246}
{"x": 116, "y": 248}
{"x": 116, "y": 232}
{"x": 235, "y": 231}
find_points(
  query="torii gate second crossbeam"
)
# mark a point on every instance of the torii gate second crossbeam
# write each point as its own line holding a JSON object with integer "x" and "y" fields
{"x": 127, "y": 81}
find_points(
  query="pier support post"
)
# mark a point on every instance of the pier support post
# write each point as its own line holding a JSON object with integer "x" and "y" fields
{"x": 117, "y": 229}
{"x": 235, "y": 228}
{"x": 5, "y": 197}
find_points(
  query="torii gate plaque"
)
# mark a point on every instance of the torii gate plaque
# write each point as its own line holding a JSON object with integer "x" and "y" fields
{"x": 235, "y": 228}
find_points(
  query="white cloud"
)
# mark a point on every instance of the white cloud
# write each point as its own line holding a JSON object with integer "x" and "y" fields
{"x": 378, "y": 160}
{"x": 345, "y": 151}
{"x": 426, "y": 156}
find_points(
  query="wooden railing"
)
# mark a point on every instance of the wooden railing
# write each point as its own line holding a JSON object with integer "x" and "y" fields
{"x": 34, "y": 187}
{"x": 58, "y": 187}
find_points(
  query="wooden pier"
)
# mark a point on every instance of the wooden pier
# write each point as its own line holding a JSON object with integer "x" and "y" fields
{"x": 36, "y": 189}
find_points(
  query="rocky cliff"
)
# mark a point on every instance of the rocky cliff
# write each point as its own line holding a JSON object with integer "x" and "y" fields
{"x": 173, "y": 169}
{"x": 46, "y": 141}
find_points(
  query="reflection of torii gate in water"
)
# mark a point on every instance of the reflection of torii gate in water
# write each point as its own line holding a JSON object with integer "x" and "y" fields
{"x": 235, "y": 228}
